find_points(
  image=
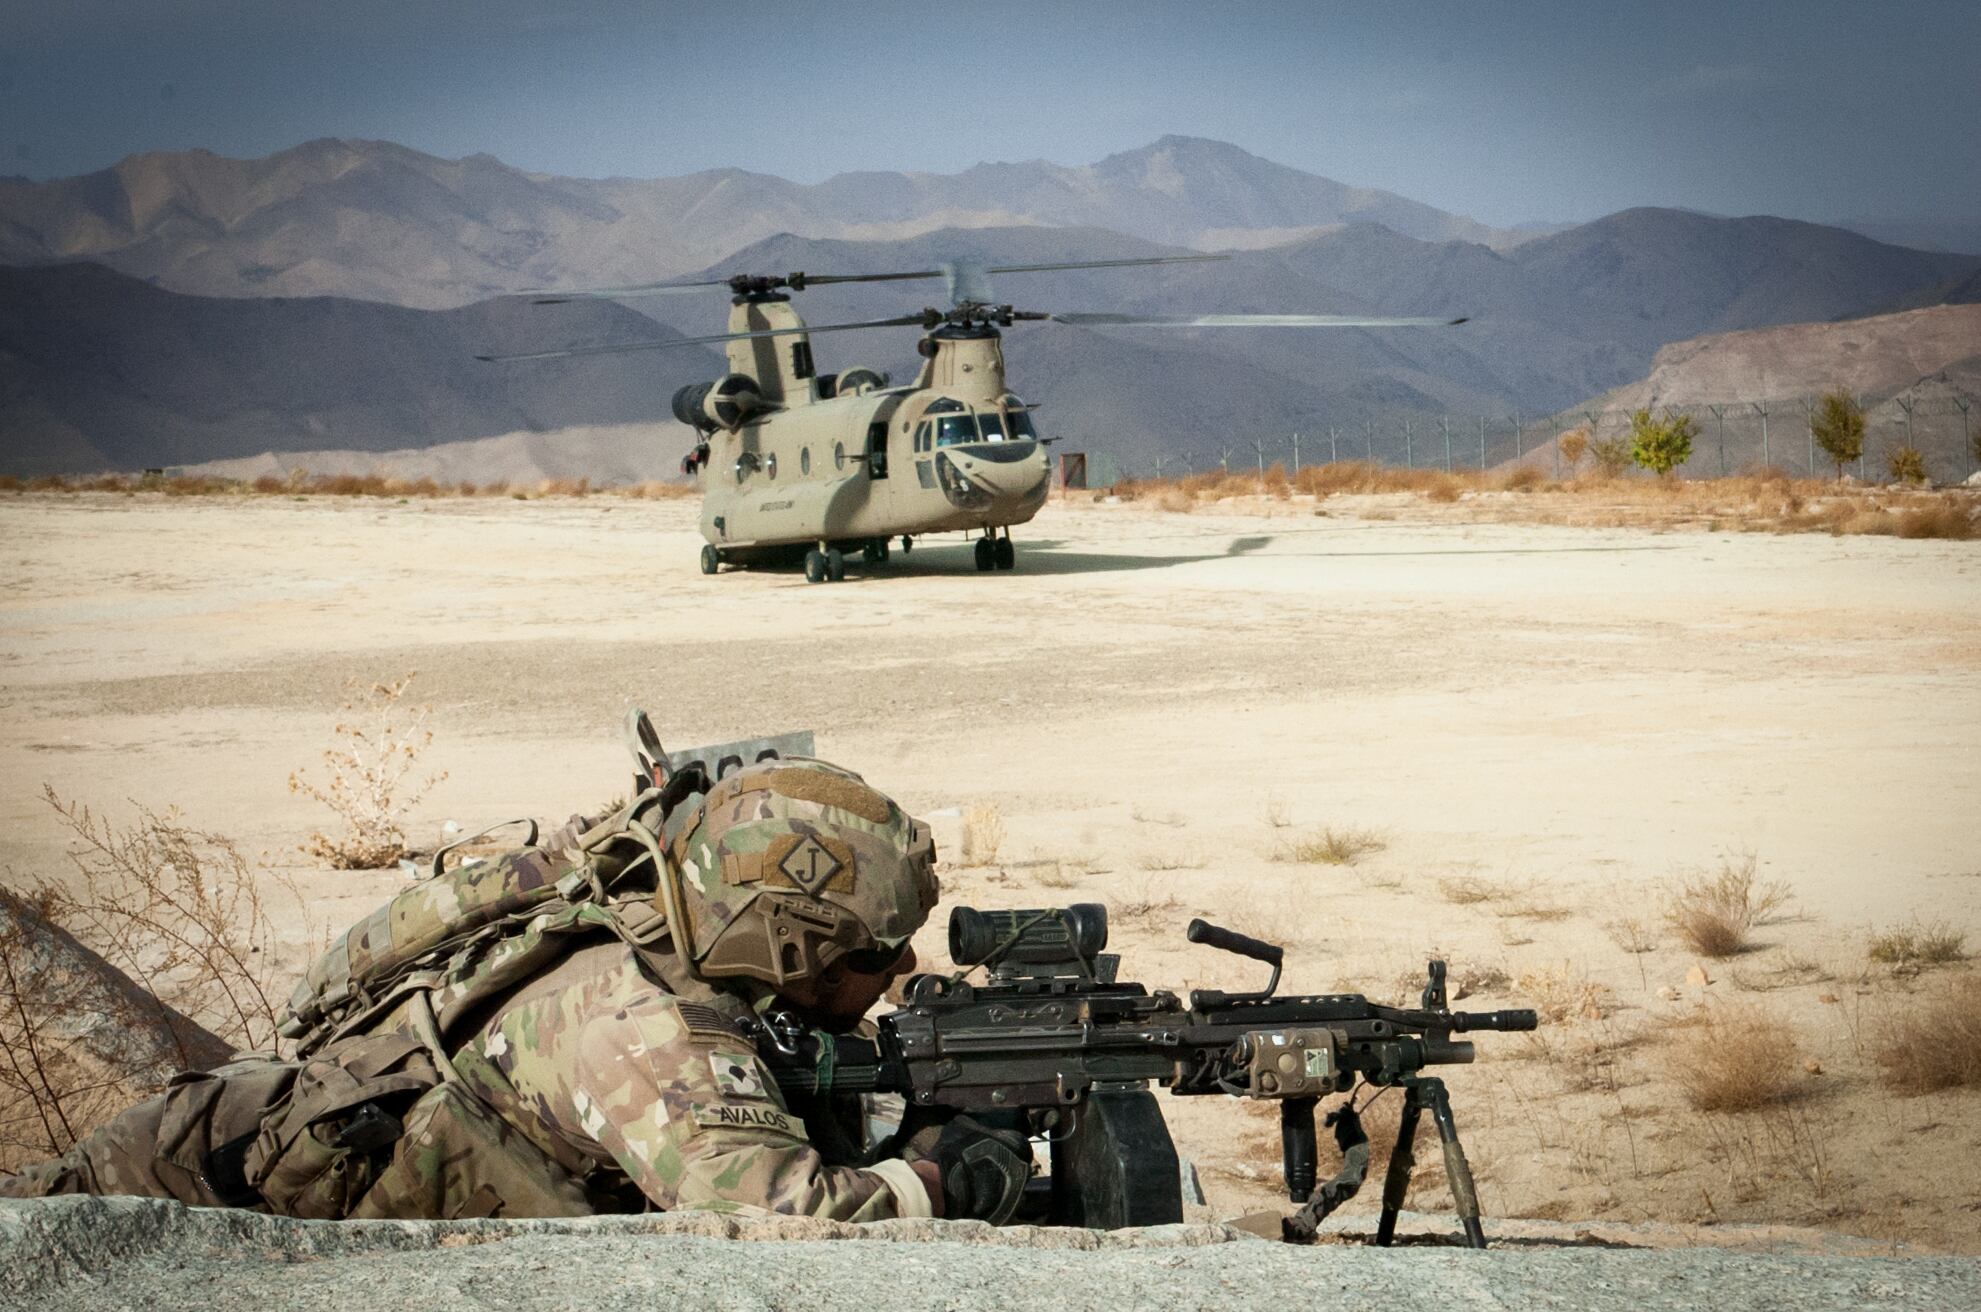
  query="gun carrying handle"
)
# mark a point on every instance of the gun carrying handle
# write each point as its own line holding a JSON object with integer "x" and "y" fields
{"x": 1203, "y": 931}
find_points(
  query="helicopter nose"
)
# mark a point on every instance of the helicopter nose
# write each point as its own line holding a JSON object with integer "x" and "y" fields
{"x": 983, "y": 474}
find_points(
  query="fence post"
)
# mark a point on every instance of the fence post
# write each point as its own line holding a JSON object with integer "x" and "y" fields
{"x": 1369, "y": 439}
{"x": 1973, "y": 457}
{"x": 1482, "y": 441}
{"x": 1761, "y": 409}
{"x": 1334, "y": 450}
{"x": 1296, "y": 453}
{"x": 1908, "y": 403}
{"x": 1446, "y": 421}
{"x": 1809, "y": 421}
{"x": 1719, "y": 414}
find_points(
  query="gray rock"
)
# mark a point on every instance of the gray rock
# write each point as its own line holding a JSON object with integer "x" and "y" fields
{"x": 76, "y": 1253}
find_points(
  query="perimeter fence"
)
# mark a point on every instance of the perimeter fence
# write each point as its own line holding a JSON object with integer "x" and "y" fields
{"x": 1732, "y": 437}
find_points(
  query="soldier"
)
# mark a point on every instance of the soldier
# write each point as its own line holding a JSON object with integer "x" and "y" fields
{"x": 572, "y": 1029}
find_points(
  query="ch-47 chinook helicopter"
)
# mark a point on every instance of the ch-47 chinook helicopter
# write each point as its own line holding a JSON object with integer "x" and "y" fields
{"x": 794, "y": 463}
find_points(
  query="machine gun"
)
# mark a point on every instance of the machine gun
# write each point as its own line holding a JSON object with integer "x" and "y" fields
{"x": 1053, "y": 1045}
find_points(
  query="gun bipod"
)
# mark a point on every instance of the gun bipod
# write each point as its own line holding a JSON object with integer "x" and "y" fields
{"x": 1421, "y": 1094}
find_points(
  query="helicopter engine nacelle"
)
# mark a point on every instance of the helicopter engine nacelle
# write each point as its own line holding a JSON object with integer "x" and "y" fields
{"x": 859, "y": 381}
{"x": 728, "y": 402}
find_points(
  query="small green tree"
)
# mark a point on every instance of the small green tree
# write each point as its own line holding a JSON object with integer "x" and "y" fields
{"x": 1906, "y": 464}
{"x": 1661, "y": 445}
{"x": 1838, "y": 427}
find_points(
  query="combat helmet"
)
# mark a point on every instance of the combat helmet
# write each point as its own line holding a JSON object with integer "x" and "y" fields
{"x": 786, "y": 866}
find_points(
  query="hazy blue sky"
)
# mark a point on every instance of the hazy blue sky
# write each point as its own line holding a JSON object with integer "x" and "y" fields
{"x": 1504, "y": 111}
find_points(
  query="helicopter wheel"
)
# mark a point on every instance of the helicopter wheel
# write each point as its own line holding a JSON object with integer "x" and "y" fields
{"x": 1005, "y": 553}
{"x": 711, "y": 558}
{"x": 875, "y": 552}
{"x": 835, "y": 565}
{"x": 815, "y": 566}
{"x": 986, "y": 554}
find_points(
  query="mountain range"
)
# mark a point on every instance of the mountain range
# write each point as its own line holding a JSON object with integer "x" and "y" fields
{"x": 379, "y": 221}
{"x": 101, "y": 368}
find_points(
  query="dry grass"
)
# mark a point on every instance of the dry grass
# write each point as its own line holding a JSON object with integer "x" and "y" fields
{"x": 1735, "y": 1059}
{"x": 301, "y": 483}
{"x": 1564, "y": 993}
{"x": 983, "y": 834}
{"x": 369, "y": 777}
{"x": 1935, "y": 944}
{"x": 1936, "y": 1045}
{"x": 1713, "y": 914}
{"x": 1329, "y": 846}
{"x": 1466, "y": 890}
{"x": 1165, "y": 861}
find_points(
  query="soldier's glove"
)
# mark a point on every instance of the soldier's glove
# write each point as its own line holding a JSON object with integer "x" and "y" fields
{"x": 983, "y": 1170}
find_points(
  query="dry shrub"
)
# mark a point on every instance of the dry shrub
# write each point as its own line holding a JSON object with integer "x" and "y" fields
{"x": 1329, "y": 846}
{"x": 1564, "y": 993}
{"x": 1937, "y": 1044}
{"x": 1176, "y": 502}
{"x": 1947, "y": 519}
{"x": 1735, "y": 1059}
{"x": 1147, "y": 901}
{"x": 1906, "y": 464}
{"x": 11, "y": 483}
{"x": 1874, "y": 522}
{"x": 983, "y": 834}
{"x": 1165, "y": 861}
{"x": 1612, "y": 456}
{"x": 1466, "y": 890}
{"x": 369, "y": 785}
{"x": 1713, "y": 913}
{"x": 1573, "y": 444}
{"x": 108, "y": 985}
{"x": 1935, "y": 944}
{"x": 1522, "y": 477}
{"x": 655, "y": 489}
{"x": 564, "y": 487}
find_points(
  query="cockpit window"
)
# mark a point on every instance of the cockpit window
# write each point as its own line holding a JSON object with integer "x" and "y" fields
{"x": 1021, "y": 425}
{"x": 946, "y": 406}
{"x": 993, "y": 425}
{"x": 952, "y": 429}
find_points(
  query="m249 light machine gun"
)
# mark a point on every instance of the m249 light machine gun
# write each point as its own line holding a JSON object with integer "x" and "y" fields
{"x": 1052, "y": 1045}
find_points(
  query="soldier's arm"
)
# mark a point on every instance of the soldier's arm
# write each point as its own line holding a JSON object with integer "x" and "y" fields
{"x": 676, "y": 1097}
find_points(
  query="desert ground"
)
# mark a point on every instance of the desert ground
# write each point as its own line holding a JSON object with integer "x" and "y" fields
{"x": 1523, "y": 741}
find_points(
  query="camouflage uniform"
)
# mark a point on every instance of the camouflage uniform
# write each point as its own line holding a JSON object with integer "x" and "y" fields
{"x": 563, "y": 1070}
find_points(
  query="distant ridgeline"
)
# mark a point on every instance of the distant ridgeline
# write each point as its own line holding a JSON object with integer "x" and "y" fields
{"x": 109, "y": 372}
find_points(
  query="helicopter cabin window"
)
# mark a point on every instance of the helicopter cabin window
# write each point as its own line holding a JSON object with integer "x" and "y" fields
{"x": 1017, "y": 420}
{"x": 993, "y": 425}
{"x": 746, "y": 465}
{"x": 805, "y": 460}
{"x": 801, "y": 359}
{"x": 770, "y": 466}
{"x": 877, "y": 449}
{"x": 952, "y": 429}
{"x": 922, "y": 436}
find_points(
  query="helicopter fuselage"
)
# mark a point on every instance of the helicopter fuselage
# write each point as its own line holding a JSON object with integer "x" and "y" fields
{"x": 843, "y": 460}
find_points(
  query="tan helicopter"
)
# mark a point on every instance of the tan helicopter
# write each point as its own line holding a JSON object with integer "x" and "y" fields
{"x": 794, "y": 462}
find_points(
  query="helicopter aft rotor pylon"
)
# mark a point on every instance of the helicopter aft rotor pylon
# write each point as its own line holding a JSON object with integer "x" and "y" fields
{"x": 795, "y": 465}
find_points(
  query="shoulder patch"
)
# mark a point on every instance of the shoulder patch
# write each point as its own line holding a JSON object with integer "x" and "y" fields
{"x": 724, "y": 1116}
{"x": 707, "y": 1022}
{"x": 735, "y": 1077}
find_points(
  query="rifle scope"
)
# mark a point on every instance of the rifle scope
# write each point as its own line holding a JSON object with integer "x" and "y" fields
{"x": 1048, "y": 937}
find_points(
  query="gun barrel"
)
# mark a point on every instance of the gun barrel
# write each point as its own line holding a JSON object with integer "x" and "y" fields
{"x": 1505, "y": 1021}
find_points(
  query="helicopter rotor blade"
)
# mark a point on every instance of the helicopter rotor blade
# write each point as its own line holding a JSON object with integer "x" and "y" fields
{"x": 1250, "y": 321}
{"x": 955, "y": 272}
{"x": 619, "y": 348}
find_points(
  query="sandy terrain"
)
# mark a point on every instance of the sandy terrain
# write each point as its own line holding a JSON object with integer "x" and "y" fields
{"x": 1158, "y": 704}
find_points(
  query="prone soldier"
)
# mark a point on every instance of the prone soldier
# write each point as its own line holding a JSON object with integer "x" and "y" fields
{"x": 572, "y": 1028}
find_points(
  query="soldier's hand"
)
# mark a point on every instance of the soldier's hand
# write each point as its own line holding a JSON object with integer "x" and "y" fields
{"x": 983, "y": 1171}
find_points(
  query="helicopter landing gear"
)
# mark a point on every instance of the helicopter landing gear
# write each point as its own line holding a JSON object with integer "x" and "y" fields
{"x": 907, "y": 544}
{"x": 995, "y": 552}
{"x": 875, "y": 552}
{"x": 823, "y": 565}
{"x": 711, "y": 558}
